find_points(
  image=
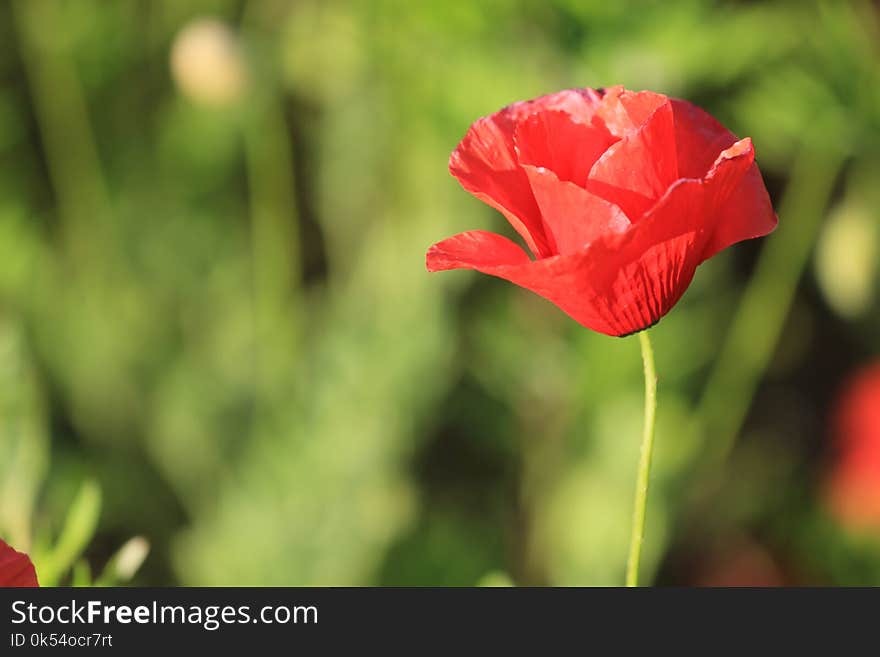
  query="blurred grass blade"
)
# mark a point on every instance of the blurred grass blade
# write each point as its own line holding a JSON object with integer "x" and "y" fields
{"x": 61, "y": 108}
{"x": 79, "y": 528}
{"x": 495, "y": 579}
{"x": 82, "y": 574}
{"x": 24, "y": 444}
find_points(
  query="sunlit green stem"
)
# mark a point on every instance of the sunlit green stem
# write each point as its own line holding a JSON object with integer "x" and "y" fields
{"x": 644, "y": 473}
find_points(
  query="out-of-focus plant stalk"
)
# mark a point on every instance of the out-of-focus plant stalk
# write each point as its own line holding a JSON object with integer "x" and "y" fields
{"x": 758, "y": 323}
{"x": 643, "y": 477}
{"x": 275, "y": 247}
{"x": 275, "y": 250}
{"x": 23, "y": 436}
{"x": 60, "y": 106}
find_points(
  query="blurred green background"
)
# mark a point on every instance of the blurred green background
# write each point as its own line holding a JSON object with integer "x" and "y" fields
{"x": 218, "y": 338}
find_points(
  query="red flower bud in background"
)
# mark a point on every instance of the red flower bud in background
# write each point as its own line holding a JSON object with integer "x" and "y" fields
{"x": 16, "y": 569}
{"x": 853, "y": 487}
{"x": 741, "y": 562}
{"x": 618, "y": 194}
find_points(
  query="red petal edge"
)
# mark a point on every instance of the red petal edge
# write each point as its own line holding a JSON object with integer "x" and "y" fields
{"x": 635, "y": 172}
{"x": 16, "y": 569}
{"x": 485, "y": 162}
{"x": 589, "y": 285}
{"x": 699, "y": 138}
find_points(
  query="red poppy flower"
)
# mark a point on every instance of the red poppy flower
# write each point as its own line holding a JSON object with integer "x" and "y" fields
{"x": 853, "y": 491}
{"x": 618, "y": 194}
{"x": 16, "y": 569}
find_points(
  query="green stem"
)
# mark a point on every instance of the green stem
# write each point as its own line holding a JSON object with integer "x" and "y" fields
{"x": 644, "y": 473}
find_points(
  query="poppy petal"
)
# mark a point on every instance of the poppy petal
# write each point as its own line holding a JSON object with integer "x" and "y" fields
{"x": 485, "y": 165}
{"x": 623, "y": 111}
{"x": 649, "y": 280}
{"x": 699, "y": 138}
{"x": 485, "y": 162}
{"x": 580, "y": 104}
{"x": 647, "y": 269}
{"x": 600, "y": 287}
{"x": 554, "y": 140}
{"x": 558, "y": 279}
{"x": 16, "y": 569}
{"x": 748, "y": 214}
{"x": 571, "y": 214}
{"x": 636, "y": 171}
{"x": 689, "y": 201}
{"x": 474, "y": 249}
